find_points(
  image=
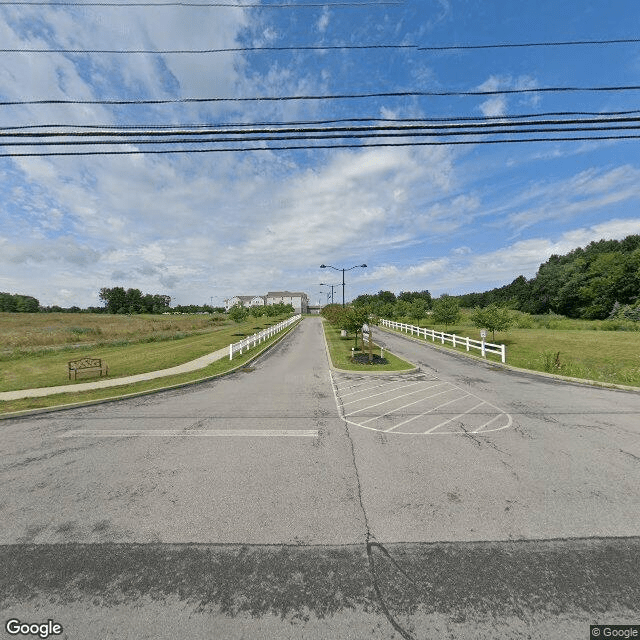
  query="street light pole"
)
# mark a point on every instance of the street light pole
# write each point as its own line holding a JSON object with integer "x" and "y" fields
{"x": 328, "y": 266}
{"x": 324, "y": 284}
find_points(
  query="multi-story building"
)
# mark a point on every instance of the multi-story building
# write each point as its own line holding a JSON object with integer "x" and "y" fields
{"x": 300, "y": 301}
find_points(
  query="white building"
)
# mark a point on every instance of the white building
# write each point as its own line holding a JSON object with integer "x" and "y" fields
{"x": 300, "y": 301}
{"x": 245, "y": 301}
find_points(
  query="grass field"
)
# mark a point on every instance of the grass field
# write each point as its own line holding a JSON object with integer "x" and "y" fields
{"x": 586, "y": 349}
{"x": 340, "y": 351}
{"x": 37, "y": 347}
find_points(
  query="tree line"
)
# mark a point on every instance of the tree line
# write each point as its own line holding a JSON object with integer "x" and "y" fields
{"x": 115, "y": 300}
{"x": 597, "y": 282}
{"x": 18, "y": 303}
{"x": 238, "y": 312}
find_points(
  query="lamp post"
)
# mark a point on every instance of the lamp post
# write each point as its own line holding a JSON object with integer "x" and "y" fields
{"x": 328, "y": 266}
{"x": 323, "y": 284}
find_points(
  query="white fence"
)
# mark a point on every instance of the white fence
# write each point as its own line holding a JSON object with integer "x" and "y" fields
{"x": 257, "y": 338}
{"x": 483, "y": 346}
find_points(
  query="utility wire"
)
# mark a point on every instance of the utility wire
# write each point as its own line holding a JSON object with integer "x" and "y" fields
{"x": 512, "y": 45}
{"x": 454, "y": 47}
{"x": 206, "y": 51}
{"x": 327, "y": 136}
{"x": 204, "y": 4}
{"x": 388, "y": 94}
{"x": 346, "y": 133}
{"x": 477, "y": 128}
{"x": 315, "y": 146}
{"x": 443, "y": 120}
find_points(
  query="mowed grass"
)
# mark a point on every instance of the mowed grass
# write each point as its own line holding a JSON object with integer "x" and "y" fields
{"x": 73, "y": 397}
{"x": 340, "y": 352}
{"x": 582, "y": 351}
{"x": 137, "y": 344}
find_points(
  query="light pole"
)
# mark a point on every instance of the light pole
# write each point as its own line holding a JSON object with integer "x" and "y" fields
{"x": 322, "y": 284}
{"x": 328, "y": 266}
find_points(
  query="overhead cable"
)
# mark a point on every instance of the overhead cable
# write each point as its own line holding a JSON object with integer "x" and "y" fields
{"x": 442, "y": 120}
{"x": 177, "y": 3}
{"x": 453, "y": 128}
{"x": 315, "y": 146}
{"x": 454, "y": 47}
{"x": 387, "y": 94}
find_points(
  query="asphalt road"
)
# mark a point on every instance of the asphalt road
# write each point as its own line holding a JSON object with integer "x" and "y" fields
{"x": 288, "y": 501}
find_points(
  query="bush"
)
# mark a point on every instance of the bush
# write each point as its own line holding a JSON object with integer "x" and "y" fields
{"x": 619, "y": 324}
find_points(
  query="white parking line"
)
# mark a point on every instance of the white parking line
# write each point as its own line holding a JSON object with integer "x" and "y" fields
{"x": 486, "y": 424}
{"x": 338, "y": 383}
{"x": 178, "y": 433}
{"x": 406, "y": 405}
{"x": 455, "y": 417}
{"x": 344, "y": 395}
{"x": 421, "y": 415}
{"x": 375, "y": 395}
{"x": 355, "y": 386}
{"x": 392, "y": 399}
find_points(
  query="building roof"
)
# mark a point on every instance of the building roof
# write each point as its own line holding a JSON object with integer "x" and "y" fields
{"x": 285, "y": 294}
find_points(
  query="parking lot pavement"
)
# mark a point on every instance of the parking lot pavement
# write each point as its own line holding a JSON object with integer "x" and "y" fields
{"x": 415, "y": 404}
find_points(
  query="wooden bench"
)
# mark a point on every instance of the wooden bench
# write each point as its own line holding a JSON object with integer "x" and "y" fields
{"x": 87, "y": 364}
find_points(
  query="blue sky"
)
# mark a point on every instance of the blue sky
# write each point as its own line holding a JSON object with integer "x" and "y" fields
{"x": 203, "y": 227}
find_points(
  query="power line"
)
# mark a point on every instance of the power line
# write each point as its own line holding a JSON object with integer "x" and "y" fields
{"x": 324, "y": 136}
{"x": 203, "y": 4}
{"x": 512, "y": 45}
{"x": 454, "y": 47}
{"x": 207, "y": 51}
{"x": 315, "y": 146}
{"x": 388, "y": 94}
{"x": 442, "y": 119}
{"x": 443, "y": 128}
{"x": 326, "y": 133}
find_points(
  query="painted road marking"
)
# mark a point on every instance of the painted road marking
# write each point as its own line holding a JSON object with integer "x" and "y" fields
{"x": 377, "y": 386}
{"x": 404, "y": 406}
{"x": 463, "y": 414}
{"x": 375, "y": 395}
{"x": 204, "y": 433}
{"x": 479, "y": 429}
{"x": 404, "y": 395}
{"x": 421, "y": 415}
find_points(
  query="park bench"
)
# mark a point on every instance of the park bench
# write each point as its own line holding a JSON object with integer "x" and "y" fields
{"x": 87, "y": 364}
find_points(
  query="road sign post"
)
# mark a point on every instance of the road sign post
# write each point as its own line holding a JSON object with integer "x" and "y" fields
{"x": 483, "y": 335}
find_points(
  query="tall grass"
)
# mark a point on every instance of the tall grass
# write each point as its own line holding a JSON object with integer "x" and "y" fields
{"x": 128, "y": 344}
{"x": 604, "y": 350}
{"x": 31, "y": 331}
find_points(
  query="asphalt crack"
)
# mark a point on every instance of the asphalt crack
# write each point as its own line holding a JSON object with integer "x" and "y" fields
{"x": 370, "y": 540}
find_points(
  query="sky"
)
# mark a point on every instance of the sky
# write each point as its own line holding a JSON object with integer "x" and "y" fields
{"x": 203, "y": 227}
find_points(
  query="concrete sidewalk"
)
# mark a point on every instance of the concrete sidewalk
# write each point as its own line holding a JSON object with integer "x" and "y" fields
{"x": 193, "y": 365}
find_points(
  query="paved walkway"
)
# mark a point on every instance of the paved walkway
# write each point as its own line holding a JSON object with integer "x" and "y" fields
{"x": 193, "y": 365}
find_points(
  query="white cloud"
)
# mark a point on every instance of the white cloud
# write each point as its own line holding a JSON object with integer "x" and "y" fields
{"x": 323, "y": 20}
{"x": 592, "y": 189}
{"x": 499, "y": 267}
{"x": 497, "y": 105}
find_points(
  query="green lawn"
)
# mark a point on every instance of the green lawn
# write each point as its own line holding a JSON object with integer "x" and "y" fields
{"x": 611, "y": 357}
{"x": 138, "y": 353}
{"x": 216, "y": 368}
{"x": 340, "y": 351}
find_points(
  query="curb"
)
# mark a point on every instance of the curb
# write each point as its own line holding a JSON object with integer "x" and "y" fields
{"x": 86, "y": 403}
{"x": 509, "y": 367}
{"x": 368, "y": 373}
